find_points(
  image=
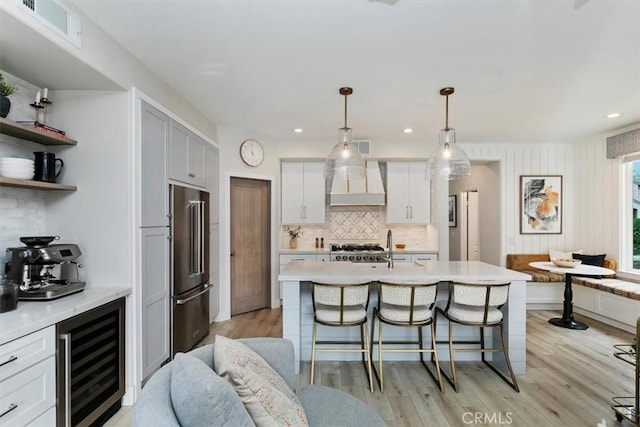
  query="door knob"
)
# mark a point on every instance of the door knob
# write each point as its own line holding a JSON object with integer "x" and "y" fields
{"x": 233, "y": 253}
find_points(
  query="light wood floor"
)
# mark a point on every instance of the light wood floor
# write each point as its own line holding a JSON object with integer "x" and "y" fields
{"x": 571, "y": 377}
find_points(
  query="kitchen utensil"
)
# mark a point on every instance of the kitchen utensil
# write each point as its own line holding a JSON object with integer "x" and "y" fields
{"x": 36, "y": 241}
{"x": 45, "y": 166}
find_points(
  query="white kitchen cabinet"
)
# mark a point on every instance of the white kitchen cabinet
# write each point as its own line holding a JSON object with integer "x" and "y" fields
{"x": 156, "y": 298}
{"x": 303, "y": 193}
{"x": 408, "y": 193}
{"x": 187, "y": 155}
{"x": 28, "y": 379}
{"x": 405, "y": 258}
{"x": 424, "y": 257}
{"x": 154, "y": 200}
{"x": 401, "y": 258}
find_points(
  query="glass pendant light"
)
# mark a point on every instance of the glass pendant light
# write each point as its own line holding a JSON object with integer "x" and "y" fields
{"x": 448, "y": 161}
{"x": 345, "y": 160}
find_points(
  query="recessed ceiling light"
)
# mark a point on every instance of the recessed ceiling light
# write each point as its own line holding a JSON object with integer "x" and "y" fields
{"x": 613, "y": 115}
{"x": 407, "y": 130}
{"x": 298, "y": 130}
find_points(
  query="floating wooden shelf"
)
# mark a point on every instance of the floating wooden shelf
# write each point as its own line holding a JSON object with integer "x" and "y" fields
{"x": 36, "y": 185}
{"x": 12, "y": 128}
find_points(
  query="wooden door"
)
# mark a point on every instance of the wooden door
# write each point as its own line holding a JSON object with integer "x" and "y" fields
{"x": 250, "y": 244}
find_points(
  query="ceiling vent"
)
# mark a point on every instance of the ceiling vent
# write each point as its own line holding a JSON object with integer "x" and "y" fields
{"x": 364, "y": 145}
{"x": 57, "y": 17}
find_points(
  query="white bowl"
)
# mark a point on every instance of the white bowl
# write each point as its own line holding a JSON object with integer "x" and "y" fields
{"x": 16, "y": 170}
{"x": 564, "y": 262}
{"x": 14, "y": 161}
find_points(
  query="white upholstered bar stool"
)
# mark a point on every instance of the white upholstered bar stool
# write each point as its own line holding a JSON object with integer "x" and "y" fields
{"x": 341, "y": 305}
{"x": 476, "y": 303}
{"x": 407, "y": 305}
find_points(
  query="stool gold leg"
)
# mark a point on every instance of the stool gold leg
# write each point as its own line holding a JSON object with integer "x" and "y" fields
{"x": 313, "y": 351}
{"x": 454, "y": 376}
{"x": 367, "y": 351}
{"x": 434, "y": 355}
{"x": 380, "y": 357}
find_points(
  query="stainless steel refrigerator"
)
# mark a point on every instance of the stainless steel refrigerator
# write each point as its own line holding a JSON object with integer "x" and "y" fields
{"x": 190, "y": 254}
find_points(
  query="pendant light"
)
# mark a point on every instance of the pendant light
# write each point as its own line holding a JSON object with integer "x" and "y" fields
{"x": 344, "y": 160}
{"x": 448, "y": 160}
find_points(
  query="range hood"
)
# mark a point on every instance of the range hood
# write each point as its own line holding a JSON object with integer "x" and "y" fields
{"x": 368, "y": 191}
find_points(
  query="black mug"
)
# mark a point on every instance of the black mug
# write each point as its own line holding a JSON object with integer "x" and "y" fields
{"x": 45, "y": 166}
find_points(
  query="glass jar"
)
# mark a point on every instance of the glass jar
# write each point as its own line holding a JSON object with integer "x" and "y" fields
{"x": 8, "y": 295}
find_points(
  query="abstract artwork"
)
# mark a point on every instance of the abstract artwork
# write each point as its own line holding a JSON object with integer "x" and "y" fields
{"x": 541, "y": 204}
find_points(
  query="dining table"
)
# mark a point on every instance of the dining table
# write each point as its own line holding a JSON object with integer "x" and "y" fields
{"x": 582, "y": 270}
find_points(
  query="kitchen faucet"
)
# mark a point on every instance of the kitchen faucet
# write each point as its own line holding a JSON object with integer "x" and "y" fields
{"x": 390, "y": 247}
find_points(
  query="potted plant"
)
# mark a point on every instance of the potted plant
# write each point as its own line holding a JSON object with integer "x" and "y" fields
{"x": 6, "y": 89}
{"x": 294, "y": 233}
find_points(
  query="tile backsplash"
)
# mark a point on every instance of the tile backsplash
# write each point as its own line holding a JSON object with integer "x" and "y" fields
{"x": 22, "y": 211}
{"x": 362, "y": 224}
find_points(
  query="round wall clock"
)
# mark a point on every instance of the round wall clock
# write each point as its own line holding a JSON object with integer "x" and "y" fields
{"x": 251, "y": 152}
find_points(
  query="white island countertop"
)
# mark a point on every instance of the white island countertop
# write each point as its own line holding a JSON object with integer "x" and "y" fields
{"x": 443, "y": 270}
{"x": 31, "y": 316}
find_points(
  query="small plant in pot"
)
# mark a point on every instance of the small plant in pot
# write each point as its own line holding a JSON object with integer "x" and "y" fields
{"x": 6, "y": 89}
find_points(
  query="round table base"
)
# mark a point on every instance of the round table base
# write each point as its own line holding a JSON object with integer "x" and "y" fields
{"x": 569, "y": 324}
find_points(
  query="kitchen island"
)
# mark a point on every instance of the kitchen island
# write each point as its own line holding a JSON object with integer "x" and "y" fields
{"x": 297, "y": 307}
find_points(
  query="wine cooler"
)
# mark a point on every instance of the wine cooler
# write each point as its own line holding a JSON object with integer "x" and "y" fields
{"x": 90, "y": 372}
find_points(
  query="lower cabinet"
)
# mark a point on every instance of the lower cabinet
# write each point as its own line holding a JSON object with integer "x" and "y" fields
{"x": 28, "y": 380}
{"x": 285, "y": 259}
{"x": 156, "y": 298}
{"x": 407, "y": 258}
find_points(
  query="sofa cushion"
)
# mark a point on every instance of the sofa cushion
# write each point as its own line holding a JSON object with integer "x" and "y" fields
{"x": 200, "y": 397}
{"x": 615, "y": 286}
{"x": 328, "y": 407}
{"x": 559, "y": 254}
{"x": 597, "y": 260}
{"x": 268, "y": 398}
{"x": 543, "y": 276}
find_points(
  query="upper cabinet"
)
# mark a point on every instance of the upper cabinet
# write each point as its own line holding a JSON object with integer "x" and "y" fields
{"x": 155, "y": 143}
{"x": 303, "y": 193}
{"x": 408, "y": 193}
{"x": 187, "y": 156}
{"x": 8, "y": 127}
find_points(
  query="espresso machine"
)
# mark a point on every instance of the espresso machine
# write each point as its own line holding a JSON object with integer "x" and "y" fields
{"x": 44, "y": 272}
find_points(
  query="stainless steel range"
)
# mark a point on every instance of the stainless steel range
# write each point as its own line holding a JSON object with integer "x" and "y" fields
{"x": 359, "y": 253}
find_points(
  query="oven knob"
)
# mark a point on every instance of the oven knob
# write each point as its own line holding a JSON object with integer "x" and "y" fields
{"x": 338, "y": 257}
{"x": 351, "y": 258}
{"x": 366, "y": 257}
{"x": 378, "y": 258}
{"x": 358, "y": 258}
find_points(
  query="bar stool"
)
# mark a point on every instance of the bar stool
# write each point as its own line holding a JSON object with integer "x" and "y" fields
{"x": 341, "y": 305}
{"x": 476, "y": 303}
{"x": 406, "y": 305}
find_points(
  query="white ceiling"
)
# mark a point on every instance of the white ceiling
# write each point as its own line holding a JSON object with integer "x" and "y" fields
{"x": 524, "y": 71}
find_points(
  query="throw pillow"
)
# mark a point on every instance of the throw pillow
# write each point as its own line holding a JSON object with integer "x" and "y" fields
{"x": 200, "y": 397}
{"x": 266, "y": 395}
{"x": 597, "y": 260}
{"x": 565, "y": 255}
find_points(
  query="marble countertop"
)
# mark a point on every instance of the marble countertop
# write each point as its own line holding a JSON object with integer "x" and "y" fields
{"x": 443, "y": 270}
{"x": 31, "y": 316}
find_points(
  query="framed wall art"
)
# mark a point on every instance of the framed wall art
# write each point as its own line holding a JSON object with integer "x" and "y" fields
{"x": 541, "y": 204}
{"x": 453, "y": 211}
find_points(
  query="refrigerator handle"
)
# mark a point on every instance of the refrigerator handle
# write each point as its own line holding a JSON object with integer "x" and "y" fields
{"x": 207, "y": 288}
{"x": 202, "y": 237}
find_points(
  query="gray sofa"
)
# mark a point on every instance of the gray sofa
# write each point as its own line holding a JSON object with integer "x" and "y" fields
{"x": 324, "y": 406}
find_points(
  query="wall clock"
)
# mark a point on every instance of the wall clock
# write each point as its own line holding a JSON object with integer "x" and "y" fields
{"x": 251, "y": 152}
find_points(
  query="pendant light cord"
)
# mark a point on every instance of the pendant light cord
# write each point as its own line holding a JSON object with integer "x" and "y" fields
{"x": 446, "y": 118}
{"x": 345, "y": 111}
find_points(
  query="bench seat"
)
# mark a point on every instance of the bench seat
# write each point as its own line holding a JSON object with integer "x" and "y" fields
{"x": 615, "y": 286}
{"x": 609, "y": 299}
